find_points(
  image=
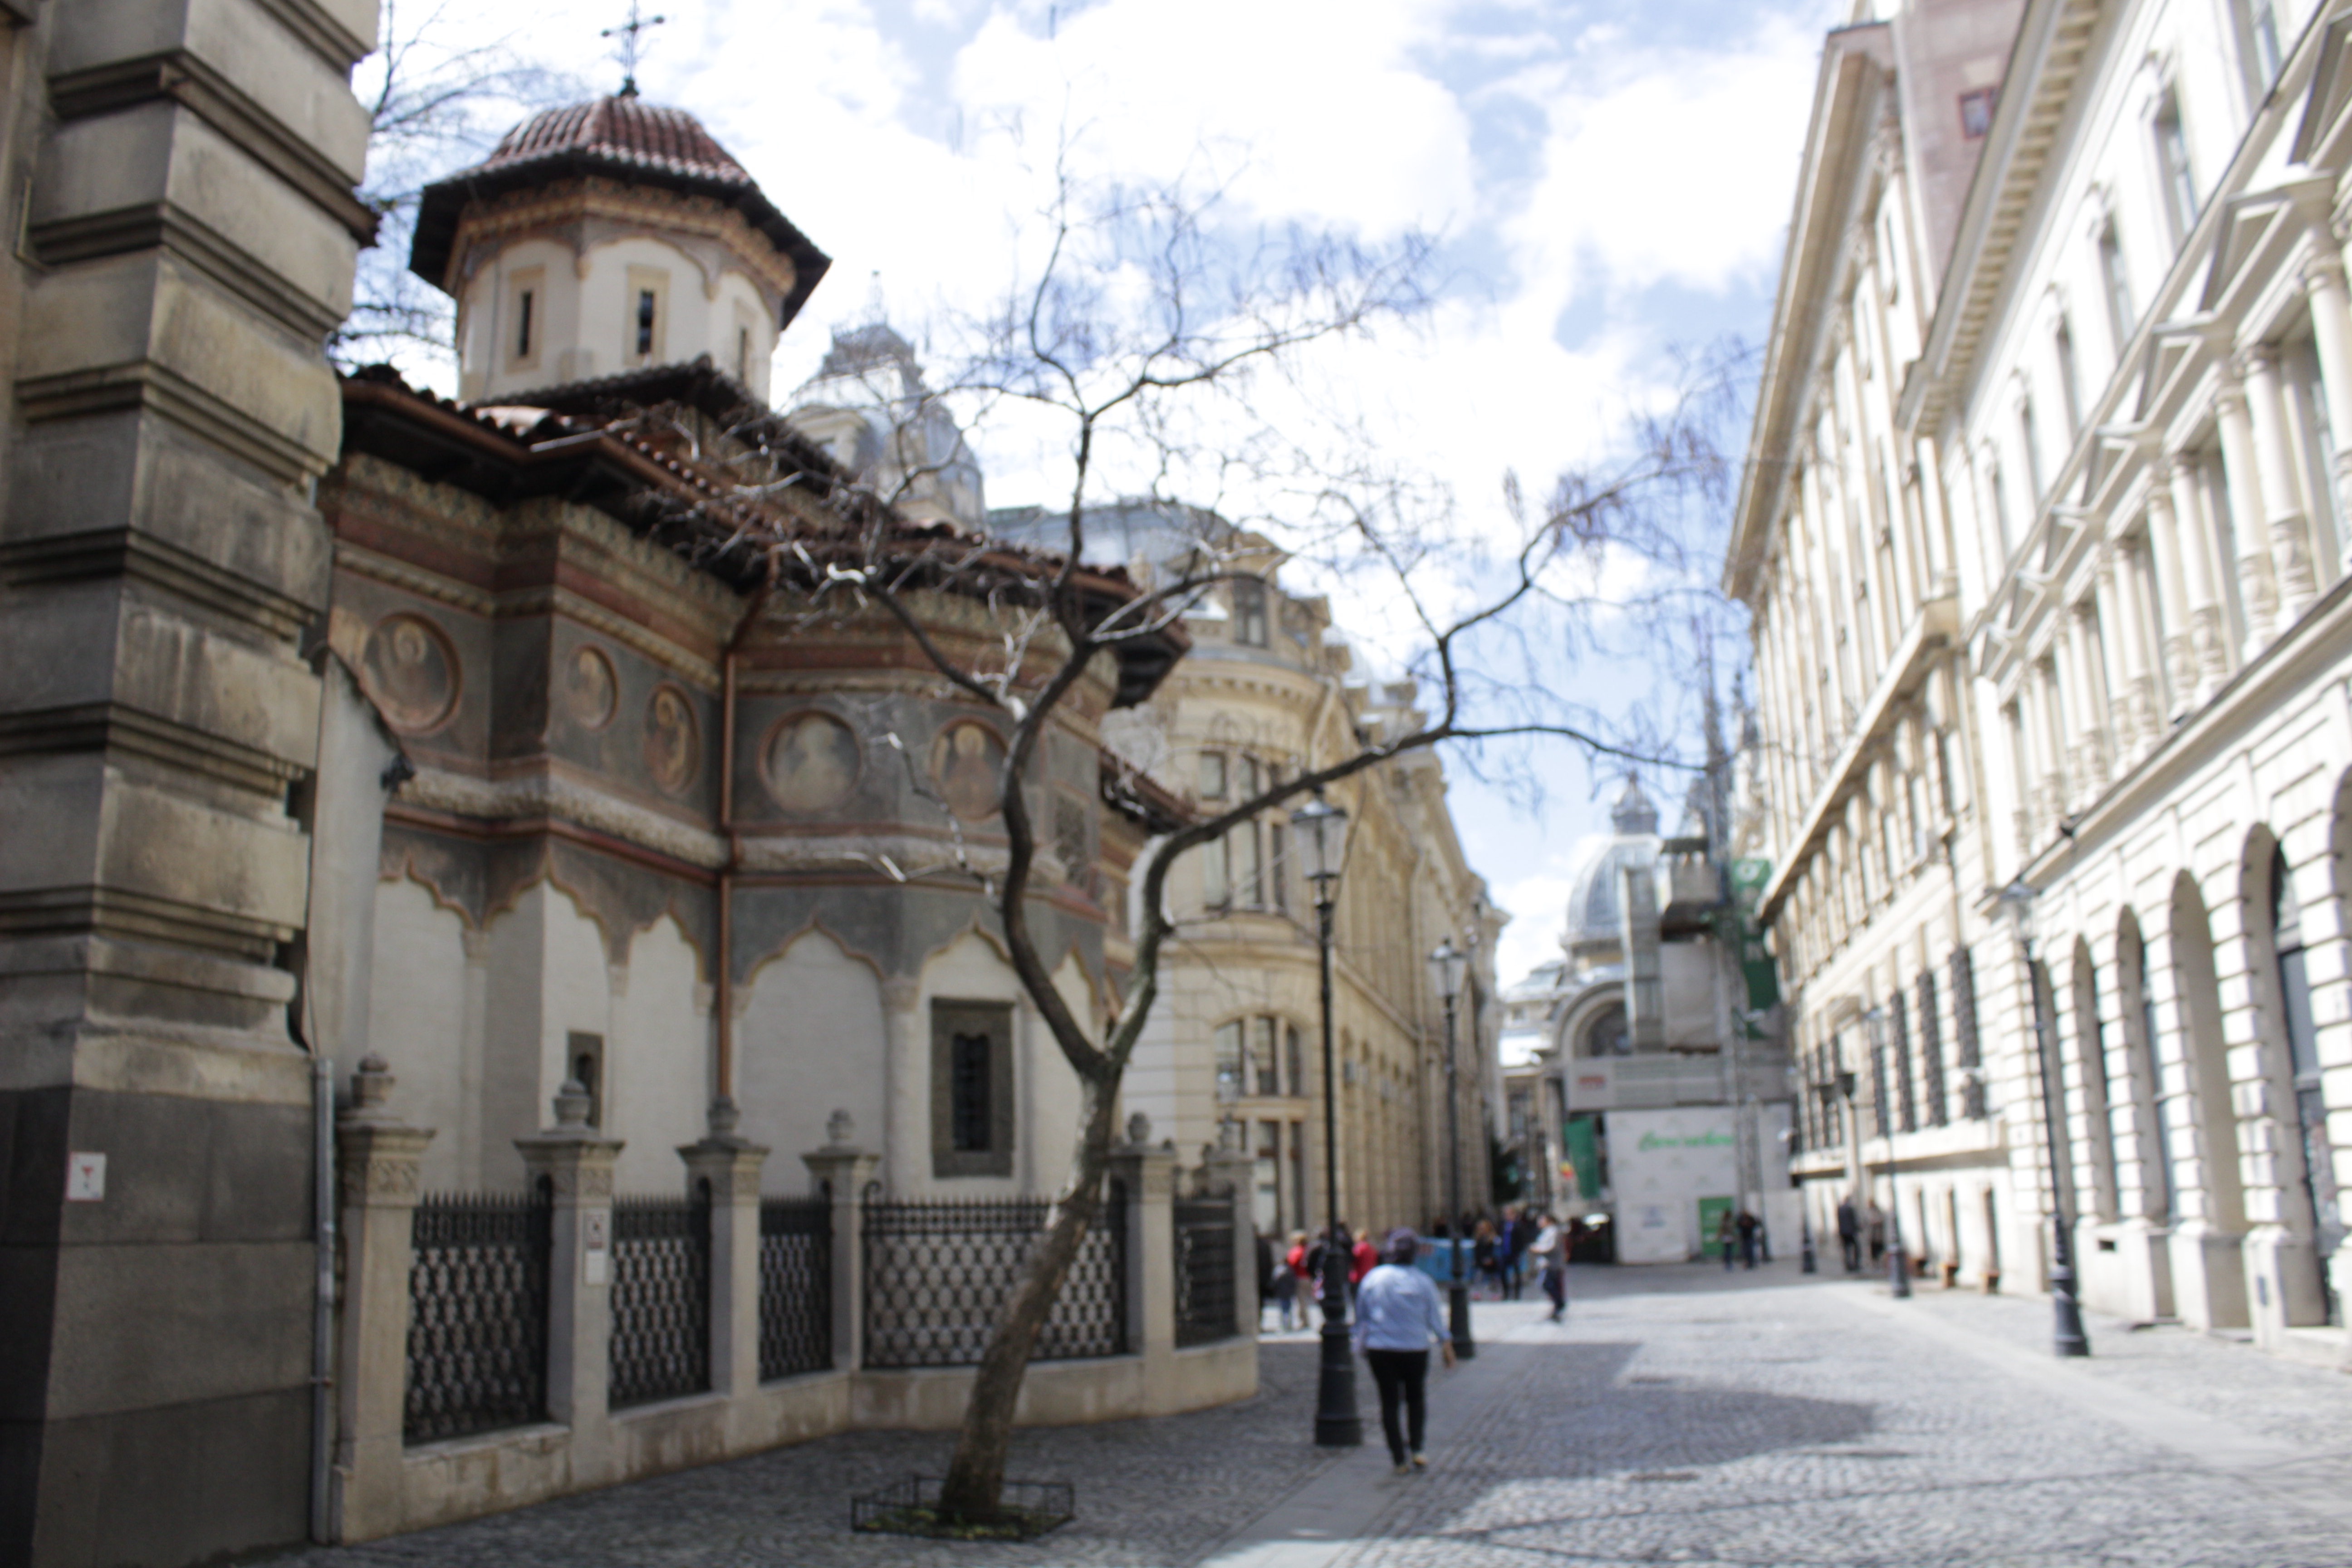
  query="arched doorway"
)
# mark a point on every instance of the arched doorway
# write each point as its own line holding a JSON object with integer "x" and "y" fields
{"x": 2209, "y": 1279}
{"x": 2291, "y": 1038}
{"x": 2091, "y": 1058}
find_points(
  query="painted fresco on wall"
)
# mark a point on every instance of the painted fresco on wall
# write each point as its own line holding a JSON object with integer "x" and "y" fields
{"x": 965, "y": 762}
{"x": 411, "y": 672}
{"x": 812, "y": 763}
{"x": 591, "y": 689}
{"x": 673, "y": 739}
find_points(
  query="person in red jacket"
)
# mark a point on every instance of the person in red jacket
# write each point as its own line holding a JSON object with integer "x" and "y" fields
{"x": 1361, "y": 1260}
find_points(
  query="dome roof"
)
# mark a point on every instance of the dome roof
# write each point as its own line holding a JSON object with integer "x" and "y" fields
{"x": 621, "y": 137}
{"x": 1593, "y": 902}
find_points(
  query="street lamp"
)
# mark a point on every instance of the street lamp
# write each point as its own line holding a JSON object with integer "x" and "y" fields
{"x": 1899, "y": 1267}
{"x": 2017, "y": 903}
{"x": 1446, "y": 971}
{"x": 1322, "y": 831}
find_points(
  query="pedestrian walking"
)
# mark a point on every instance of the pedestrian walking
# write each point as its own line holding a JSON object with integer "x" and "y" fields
{"x": 1726, "y": 1237}
{"x": 1294, "y": 1263}
{"x": 1511, "y": 1252}
{"x": 1281, "y": 1278}
{"x": 1397, "y": 1314}
{"x": 1482, "y": 1258}
{"x": 1874, "y": 1221}
{"x": 1550, "y": 1254}
{"x": 1268, "y": 1264}
{"x": 1362, "y": 1259}
{"x": 1751, "y": 1231}
{"x": 1849, "y": 1234}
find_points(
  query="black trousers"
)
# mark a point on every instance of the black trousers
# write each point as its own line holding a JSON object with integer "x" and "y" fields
{"x": 1852, "y": 1247}
{"x": 1402, "y": 1374}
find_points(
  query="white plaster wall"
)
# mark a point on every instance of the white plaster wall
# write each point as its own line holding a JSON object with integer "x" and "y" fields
{"x": 657, "y": 1060}
{"x": 416, "y": 1022}
{"x": 809, "y": 1041}
{"x": 585, "y": 322}
{"x": 545, "y": 976}
{"x": 1661, "y": 1162}
{"x": 1687, "y": 970}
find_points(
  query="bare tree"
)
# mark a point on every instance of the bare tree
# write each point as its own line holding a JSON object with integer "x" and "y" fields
{"x": 434, "y": 105}
{"x": 1168, "y": 353}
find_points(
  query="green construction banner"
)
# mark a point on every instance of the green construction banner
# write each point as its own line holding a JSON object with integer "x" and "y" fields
{"x": 1748, "y": 880}
{"x": 1584, "y": 1157}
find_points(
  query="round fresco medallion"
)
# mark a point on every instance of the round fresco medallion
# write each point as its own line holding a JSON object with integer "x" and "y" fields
{"x": 411, "y": 672}
{"x": 591, "y": 689}
{"x": 673, "y": 739}
{"x": 812, "y": 763}
{"x": 965, "y": 761}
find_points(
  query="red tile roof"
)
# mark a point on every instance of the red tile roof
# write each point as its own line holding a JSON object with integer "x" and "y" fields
{"x": 625, "y": 130}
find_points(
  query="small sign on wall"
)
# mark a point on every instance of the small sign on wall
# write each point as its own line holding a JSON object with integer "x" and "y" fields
{"x": 85, "y": 1178}
{"x": 596, "y": 1247}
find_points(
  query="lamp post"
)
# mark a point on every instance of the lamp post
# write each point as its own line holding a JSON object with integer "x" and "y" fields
{"x": 1899, "y": 1267}
{"x": 1322, "y": 830}
{"x": 2068, "y": 1339}
{"x": 1446, "y": 968}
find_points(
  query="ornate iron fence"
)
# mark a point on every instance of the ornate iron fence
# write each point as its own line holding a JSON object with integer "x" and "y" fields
{"x": 795, "y": 1286}
{"x": 661, "y": 1299}
{"x": 1204, "y": 1270}
{"x": 938, "y": 1276}
{"x": 477, "y": 1315}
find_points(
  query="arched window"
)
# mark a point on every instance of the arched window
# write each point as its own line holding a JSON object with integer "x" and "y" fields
{"x": 1931, "y": 1051}
{"x": 2303, "y": 1054}
{"x": 2158, "y": 1197}
{"x": 1608, "y": 1034}
{"x": 2090, "y": 1043}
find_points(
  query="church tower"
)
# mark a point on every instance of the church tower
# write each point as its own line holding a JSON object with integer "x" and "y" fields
{"x": 607, "y": 237}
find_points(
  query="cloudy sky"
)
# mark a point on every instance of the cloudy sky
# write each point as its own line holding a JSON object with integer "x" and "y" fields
{"x": 1612, "y": 180}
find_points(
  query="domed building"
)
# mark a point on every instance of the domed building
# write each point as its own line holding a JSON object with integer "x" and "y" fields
{"x": 1671, "y": 1100}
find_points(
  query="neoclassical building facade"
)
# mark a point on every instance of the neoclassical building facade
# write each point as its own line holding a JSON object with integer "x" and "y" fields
{"x": 2045, "y": 530}
{"x": 1232, "y": 1055}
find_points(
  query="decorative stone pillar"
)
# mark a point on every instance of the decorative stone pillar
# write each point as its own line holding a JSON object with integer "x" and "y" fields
{"x": 730, "y": 1164}
{"x": 575, "y": 1161}
{"x": 1147, "y": 1174}
{"x": 840, "y": 1172}
{"x": 378, "y": 1155}
{"x": 2134, "y": 709}
{"x": 2199, "y": 550}
{"x": 2079, "y": 671}
{"x": 2177, "y": 649}
{"x": 2242, "y": 474}
{"x": 2289, "y": 530}
{"x": 1231, "y": 1171}
{"x": 2331, "y": 336}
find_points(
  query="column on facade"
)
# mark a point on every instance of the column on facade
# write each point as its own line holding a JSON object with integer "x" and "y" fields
{"x": 2177, "y": 649}
{"x": 1822, "y": 583}
{"x": 2283, "y": 522}
{"x": 2331, "y": 337}
{"x": 2123, "y": 620}
{"x": 2079, "y": 704}
{"x": 2043, "y": 782}
{"x": 2242, "y": 473}
{"x": 1937, "y": 576}
{"x": 2200, "y": 546}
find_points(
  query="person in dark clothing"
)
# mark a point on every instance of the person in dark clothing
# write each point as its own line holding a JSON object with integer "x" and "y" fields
{"x": 1751, "y": 1229}
{"x": 1265, "y": 1270}
{"x": 1850, "y": 1234}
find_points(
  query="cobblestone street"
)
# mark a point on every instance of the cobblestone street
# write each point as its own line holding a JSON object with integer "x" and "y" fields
{"x": 1677, "y": 1417}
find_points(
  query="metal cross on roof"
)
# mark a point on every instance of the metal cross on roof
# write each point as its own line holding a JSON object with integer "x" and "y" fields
{"x": 632, "y": 44}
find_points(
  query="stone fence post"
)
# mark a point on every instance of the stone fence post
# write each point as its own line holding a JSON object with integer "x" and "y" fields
{"x": 1232, "y": 1172}
{"x": 378, "y": 1156}
{"x": 1149, "y": 1176}
{"x": 576, "y": 1161}
{"x": 840, "y": 1172}
{"x": 730, "y": 1164}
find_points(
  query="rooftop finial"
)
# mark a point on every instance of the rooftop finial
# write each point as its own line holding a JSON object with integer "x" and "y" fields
{"x": 632, "y": 46}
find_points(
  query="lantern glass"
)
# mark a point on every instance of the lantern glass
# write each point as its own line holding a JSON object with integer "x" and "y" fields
{"x": 1447, "y": 968}
{"x": 1322, "y": 830}
{"x": 2017, "y": 904}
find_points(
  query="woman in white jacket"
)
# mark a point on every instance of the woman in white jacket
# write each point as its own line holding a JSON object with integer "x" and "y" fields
{"x": 1397, "y": 1314}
